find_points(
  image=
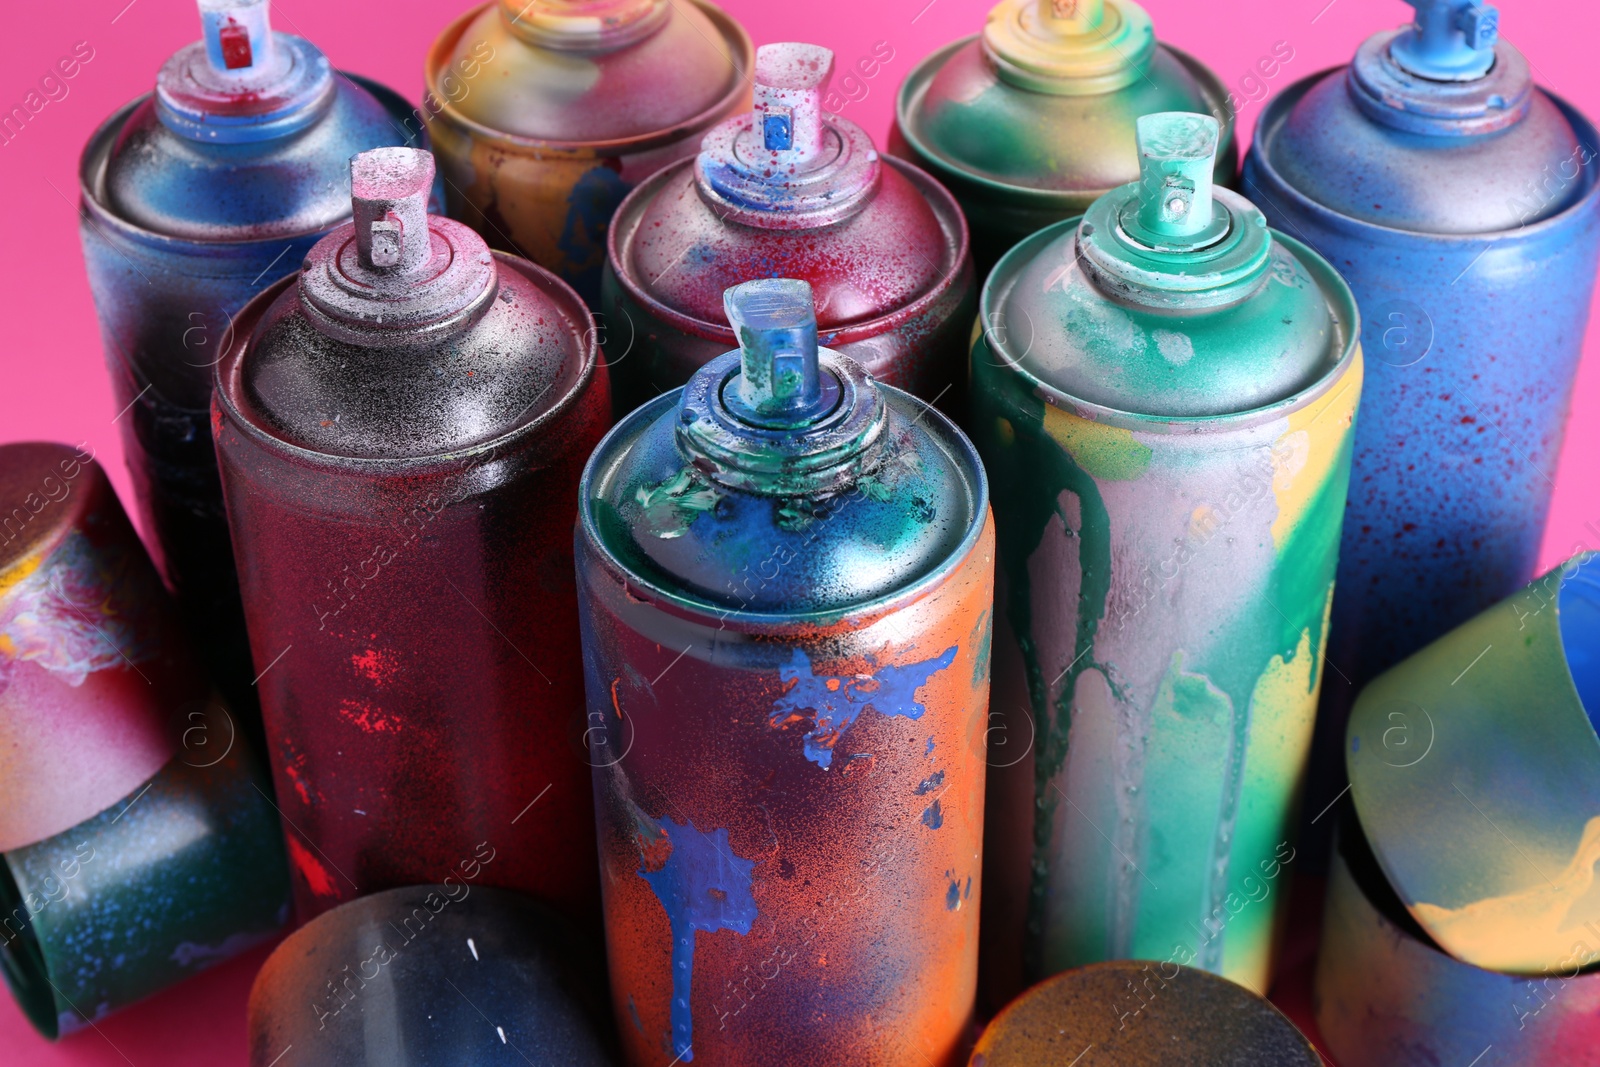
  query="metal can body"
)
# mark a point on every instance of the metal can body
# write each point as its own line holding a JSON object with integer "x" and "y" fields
{"x": 1386, "y": 996}
{"x": 166, "y": 306}
{"x": 137, "y": 844}
{"x": 1162, "y": 614}
{"x": 787, "y": 735}
{"x": 1475, "y": 316}
{"x": 850, "y": 932}
{"x": 401, "y": 506}
{"x": 550, "y": 196}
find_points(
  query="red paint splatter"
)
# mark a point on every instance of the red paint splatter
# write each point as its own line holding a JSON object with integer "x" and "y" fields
{"x": 369, "y": 718}
{"x": 316, "y": 877}
{"x": 377, "y": 666}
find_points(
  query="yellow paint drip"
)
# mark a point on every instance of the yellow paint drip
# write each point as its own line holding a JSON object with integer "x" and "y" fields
{"x": 1305, "y": 453}
{"x": 1107, "y": 452}
{"x": 1522, "y": 932}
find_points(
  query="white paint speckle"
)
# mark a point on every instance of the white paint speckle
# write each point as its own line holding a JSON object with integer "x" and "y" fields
{"x": 473, "y": 947}
{"x": 1176, "y": 348}
{"x": 502, "y": 1034}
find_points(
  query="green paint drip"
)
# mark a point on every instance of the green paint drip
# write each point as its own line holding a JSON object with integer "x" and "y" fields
{"x": 1028, "y": 471}
{"x": 671, "y": 507}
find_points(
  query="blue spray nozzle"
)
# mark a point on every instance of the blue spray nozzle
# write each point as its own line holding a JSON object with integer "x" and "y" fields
{"x": 775, "y": 322}
{"x": 1451, "y": 40}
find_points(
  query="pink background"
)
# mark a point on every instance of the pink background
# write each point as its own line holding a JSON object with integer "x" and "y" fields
{"x": 55, "y": 386}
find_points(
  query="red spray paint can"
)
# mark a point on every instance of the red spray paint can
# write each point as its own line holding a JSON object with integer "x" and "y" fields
{"x": 787, "y": 191}
{"x": 400, "y": 430}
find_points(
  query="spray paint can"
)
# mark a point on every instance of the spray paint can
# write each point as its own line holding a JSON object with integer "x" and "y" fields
{"x": 524, "y": 984}
{"x": 194, "y": 198}
{"x": 1460, "y": 202}
{"x": 1163, "y": 395}
{"x": 1029, "y": 122}
{"x": 400, "y": 430}
{"x": 1141, "y": 1012}
{"x": 132, "y": 816}
{"x": 790, "y": 192}
{"x": 785, "y": 575}
{"x": 545, "y": 114}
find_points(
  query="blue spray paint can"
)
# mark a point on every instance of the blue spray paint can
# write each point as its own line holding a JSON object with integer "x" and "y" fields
{"x": 1462, "y": 204}
{"x": 194, "y": 198}
{"x": 785, "y": 572}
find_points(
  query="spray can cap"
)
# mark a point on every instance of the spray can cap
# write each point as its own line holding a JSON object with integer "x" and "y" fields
{"x": 1069, "y": 47}
{"x": 241, "y": 82}
{"x": 787, "y": 165}
{"x": 394, "y": 274}
{"x": 779, "y": 382}
{"x": 1451, "y": 40}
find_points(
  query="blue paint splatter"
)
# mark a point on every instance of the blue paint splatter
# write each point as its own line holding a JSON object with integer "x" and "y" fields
{"x": 952, "y": 899}
{"x": 833, "y": 702}
{"x": 633, "y": 1010}
{"x": 930, "y": 747}
{"x": 932, "y": 816}
{"x": 702, "y": 885}
{"x": 930, "y": 783}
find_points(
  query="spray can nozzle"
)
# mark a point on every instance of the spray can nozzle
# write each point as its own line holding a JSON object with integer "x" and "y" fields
{"x": 1069, "y": 18}
{"x": 1451, "y": 40}
{"x": 790, "y": 79}
{"x": 780, "y": 382}
{"x": 238, "y": 35}
{"x": 389, "y": 190}
{"x": 1177, "y": 155}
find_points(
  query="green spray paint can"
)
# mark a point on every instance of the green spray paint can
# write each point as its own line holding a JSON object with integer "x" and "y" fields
{"x": 1164, "y": 392}
{"x": 1031, "y": 120}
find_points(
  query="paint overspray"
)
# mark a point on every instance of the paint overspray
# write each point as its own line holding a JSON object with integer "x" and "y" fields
{"x": 786, "y": 578}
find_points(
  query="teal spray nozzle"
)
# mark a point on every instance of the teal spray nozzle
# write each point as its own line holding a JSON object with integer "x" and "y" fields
{"x": 779, "y": 383}
{"x": 1451, "y": 40}
{"x": 1177, "y": 153}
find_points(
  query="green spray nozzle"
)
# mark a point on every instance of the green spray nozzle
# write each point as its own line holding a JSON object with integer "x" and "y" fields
{"x": 1451, "y": 40}
{"x": 1071, "y": 17}
{"x": 779, "y": 382}
{"x": 1177, "y": 154}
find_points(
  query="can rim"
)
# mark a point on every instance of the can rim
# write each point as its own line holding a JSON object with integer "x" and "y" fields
{"x": 1031, "y": 195}
{"x": 1275, "y": 112}
{"x": 249, "y": 421}
{"x": 1346, "y": 315}
{"x": 945, "y": 208}
{"x": 733, "y": 33}
{"x": 92, "y": 163}
{"x": 758, "y": 623}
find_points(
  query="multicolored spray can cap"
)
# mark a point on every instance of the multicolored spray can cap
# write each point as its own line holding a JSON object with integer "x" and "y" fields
{"x": 1032, "y": 120}
{"x": 1141, "y": 1014}
{"x": 545, "y": 113}
{"x": 131, "y": 812}
{"x": 1475, "y": 767}
{"x": 1386, "y": 995}
{"x": 789, "y": 190}
{"x": 456, "y": 972}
